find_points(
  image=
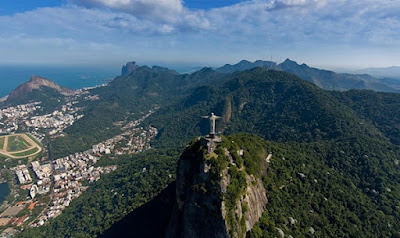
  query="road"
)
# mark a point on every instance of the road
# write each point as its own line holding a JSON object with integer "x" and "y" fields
{"x": 27, "y": 139}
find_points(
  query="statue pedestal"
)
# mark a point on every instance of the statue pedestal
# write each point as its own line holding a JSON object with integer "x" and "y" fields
{"x": 213, "y": 138}
{"x": 211, "y": 142}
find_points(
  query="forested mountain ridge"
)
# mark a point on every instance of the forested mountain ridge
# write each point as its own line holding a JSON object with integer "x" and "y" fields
{"x": 128, "y": 98}
{"x": 381, "y": 109}
{"x": 281, "y": 107}
{"x": 330, "y": 80}
{"x": 334, "y": 171}
{"x": 245, "y": 65}
{"x": 146, "y": 86}
{"x": 325, "y": 79}
{"x": 277, "y": 105}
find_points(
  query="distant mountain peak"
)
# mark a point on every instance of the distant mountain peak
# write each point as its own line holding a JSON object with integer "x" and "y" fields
{"x": 41, "y": 81}
{"x": 245, "y": 65}
{"x": 129, "y": 68}
{"x": 244, "y": 62}
{"x": 325, "y": 79}
{"x": 289, "y": 61}
{"x": 206, "y": 69}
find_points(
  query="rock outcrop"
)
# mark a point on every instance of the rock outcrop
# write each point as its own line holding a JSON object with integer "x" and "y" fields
{"x": 249, "y": 208}
{"x": 209, "y": 201}
{"x": 128, "y": 68}
{"x": 34, "y": 83}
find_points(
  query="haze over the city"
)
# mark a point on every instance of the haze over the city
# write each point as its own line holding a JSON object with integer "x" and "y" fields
{"x": 324, "y": 33}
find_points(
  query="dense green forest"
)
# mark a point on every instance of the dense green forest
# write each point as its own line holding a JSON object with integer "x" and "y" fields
{"x": 347, "y": 133}
{"x": 335, "y": 168}
{"x": 307, "y": 195}
{"x": 381, "y": 109}
{"x": 276, "y": 105}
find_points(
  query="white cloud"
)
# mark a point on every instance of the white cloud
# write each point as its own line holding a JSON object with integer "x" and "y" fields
{"x": 165, "y": 29}
{"x": 164, "y": 10}
{"x": 280, "y": 4}
{"x": 170, "y": 15}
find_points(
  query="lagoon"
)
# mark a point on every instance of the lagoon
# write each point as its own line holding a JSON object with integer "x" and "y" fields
{"x": 4, "y": 191}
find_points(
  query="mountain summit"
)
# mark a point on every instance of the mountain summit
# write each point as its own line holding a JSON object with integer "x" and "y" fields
{"x": 129, "y": 68}
{"x": 36, "y": 83}
{"x": 218, "y": 193}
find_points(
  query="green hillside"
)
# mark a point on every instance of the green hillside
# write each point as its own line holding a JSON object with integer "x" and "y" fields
{"x": 310, "y": 195}
{"x": 275, "y": 105}
{"x": 281, "y": 107}
{"x": 126, "y": 99}
{"x": 335, "y": 165}
{"x": 381, "y": 109}
{"x": 146, "y": 86}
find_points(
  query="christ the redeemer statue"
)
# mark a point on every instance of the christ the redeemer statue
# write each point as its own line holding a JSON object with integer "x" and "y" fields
{"x": 212, "y": 119}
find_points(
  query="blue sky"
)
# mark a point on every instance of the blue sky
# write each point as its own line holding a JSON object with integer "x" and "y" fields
{"x": 322, "y": 33}
{"x": 14, "y": 6}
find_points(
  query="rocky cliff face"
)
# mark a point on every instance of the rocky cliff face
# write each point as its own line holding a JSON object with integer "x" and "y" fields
{"x": 215, "y": 196}
{"x": 34, "y": 83}
{"x": 248, "y": 209}
{"x": 128, "y": 68}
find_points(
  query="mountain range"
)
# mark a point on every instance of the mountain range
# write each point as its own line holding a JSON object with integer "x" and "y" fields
{"x": 333, "y": 172}
{"x": 325, "y": 79}
{"x": 390, "y": 72}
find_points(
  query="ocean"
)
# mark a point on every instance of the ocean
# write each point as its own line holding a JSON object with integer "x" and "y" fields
{"x": 4, "y": 191}
{"x": 70, "y": 77}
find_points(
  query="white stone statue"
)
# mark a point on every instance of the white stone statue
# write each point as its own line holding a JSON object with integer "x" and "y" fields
{"x": 212, "y": 119}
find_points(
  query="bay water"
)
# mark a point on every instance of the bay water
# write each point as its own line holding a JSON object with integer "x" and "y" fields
{"x": 71, "y": 77}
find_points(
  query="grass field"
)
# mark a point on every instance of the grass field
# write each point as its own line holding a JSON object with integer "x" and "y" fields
{"x": 34, "y": 139}
{"x": 19, "y": 146}
{"x": 25, "y": 153}
{"x": 17, "y": 143}
{"x": 1, "y": 142}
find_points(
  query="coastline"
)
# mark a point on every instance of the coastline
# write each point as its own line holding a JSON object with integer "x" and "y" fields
{"x": 3, "y": 98}
{"x": 69, "y": 77}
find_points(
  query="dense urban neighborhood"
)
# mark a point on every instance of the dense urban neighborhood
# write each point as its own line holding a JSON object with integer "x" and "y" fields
{"x": 13, "y": 118}
{"x": 41, "y": 188}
